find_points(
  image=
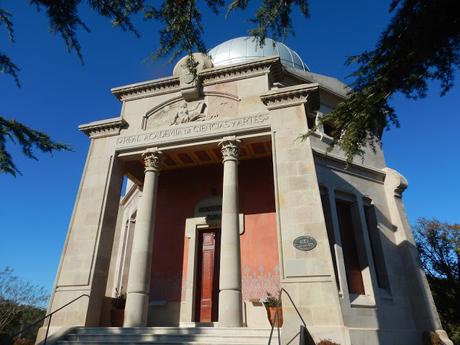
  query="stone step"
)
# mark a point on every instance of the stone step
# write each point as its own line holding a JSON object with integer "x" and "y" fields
{"x": 168, "y": 336}
{"x": 229, "y": 342}
{"x": 235, "y": 331}
{"x": 217, "y": 337}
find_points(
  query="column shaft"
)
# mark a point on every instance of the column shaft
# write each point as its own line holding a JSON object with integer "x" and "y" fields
{"x": 230, "y": 302}
{"x": 137, "y": 299}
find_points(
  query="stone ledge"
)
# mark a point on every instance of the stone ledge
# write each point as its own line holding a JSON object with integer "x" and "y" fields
{"x": 292, "y": 96}
{"x": 226, "y": 73}
{"x": 209, "y": 76}
{"x": 103, "y": 128}
{"x": 147, "y": 88}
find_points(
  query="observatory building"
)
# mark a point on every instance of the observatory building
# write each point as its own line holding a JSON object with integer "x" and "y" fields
{"x": 199, "y": 200}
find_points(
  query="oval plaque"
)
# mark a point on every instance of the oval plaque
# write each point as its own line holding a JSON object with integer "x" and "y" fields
{"x": 305, "y": 243}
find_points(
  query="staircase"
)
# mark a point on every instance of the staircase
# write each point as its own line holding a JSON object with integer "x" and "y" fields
{"x": 168, "y": 336}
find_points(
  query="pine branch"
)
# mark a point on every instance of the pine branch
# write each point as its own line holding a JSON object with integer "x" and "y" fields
{"x": 421, "y": 43}
{"x": 8, "y": 67}
{"x": 182, "y": 28}
{"x": 65, "y": 20}
{"x": 273, "y": 17}
{"x": 28, "y": 139}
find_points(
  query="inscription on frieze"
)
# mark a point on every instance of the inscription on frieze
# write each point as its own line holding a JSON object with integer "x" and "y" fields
{"x": 200, "y": 129}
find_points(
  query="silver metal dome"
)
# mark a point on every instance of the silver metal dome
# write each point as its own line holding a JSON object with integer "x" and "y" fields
{"x": 246, "y": 48}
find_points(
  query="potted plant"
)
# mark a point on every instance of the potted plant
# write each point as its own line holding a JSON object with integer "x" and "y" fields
{"x": 272, "y": 304}
{"x": 117, "y": 312}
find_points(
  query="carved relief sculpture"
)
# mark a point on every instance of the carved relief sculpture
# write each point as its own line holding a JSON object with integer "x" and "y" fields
{"x": 186, "y": 113}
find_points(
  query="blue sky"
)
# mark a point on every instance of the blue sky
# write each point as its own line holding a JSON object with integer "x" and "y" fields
{"x": 58, "y": 94}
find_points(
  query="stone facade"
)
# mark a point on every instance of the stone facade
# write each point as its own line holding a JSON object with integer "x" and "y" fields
{"x": 222, "y": 152}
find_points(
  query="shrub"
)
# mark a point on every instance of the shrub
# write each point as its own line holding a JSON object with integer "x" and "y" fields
{"x": 272, "y": 301}
{"x": 432, "y": 338}
{"x": 23, "y": 341}
{"x": 327, "y": 342}
{"x": 119, "y": 301}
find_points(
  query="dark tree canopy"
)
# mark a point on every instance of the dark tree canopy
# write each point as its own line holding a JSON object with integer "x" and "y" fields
{"x": 421, "y": 43}
{"x": 438, "y": 244}
{"x": 21, "y": 303}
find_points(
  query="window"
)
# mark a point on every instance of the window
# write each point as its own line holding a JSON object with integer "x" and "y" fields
{"x": 352, "y": 246}
{"x": 330, "y": 230}
{"x": 311, "y": 119}
{"x": 327, "y": 127}
{"x": 376, "y": 245}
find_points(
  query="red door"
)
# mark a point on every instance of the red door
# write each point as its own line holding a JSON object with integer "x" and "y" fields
{"x": 207, "y": 290}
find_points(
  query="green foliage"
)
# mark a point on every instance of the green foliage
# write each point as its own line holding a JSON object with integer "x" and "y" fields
{"x": 272, "y": 301}
{"x": 21, "y": 303}
{"x": 119, "y": 301}
{"x": 431, "y": 338}
{"x": 439, "y": 248}
{"x": 327, "y": 342}
{"x": 27, "y": 138}
{"x": 421, "y": 43}
{"x": 64, "y": 20}
{"x": 272, "y": 17}
{"x": 6, "y": 65}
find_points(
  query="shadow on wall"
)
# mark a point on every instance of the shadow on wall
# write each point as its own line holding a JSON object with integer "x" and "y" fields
{"x": 402, "y": 304}
{"x": 179, "y": 191}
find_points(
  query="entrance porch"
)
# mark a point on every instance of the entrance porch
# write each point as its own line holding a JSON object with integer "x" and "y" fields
{"x": 197, "y": 276}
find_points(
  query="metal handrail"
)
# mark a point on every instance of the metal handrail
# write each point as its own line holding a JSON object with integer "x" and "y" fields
{"x": 277, "y": 317}
{"x": 49, "y": 321}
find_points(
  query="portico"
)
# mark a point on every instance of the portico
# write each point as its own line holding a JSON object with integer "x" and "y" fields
{"x": 230, "y": 301}
{"x": 222, "y": 155}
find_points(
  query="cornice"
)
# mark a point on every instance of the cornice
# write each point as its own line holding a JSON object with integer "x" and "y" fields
{"x": 271, "y": 65}
{"x": 340, "y": 164}
{"x": 215, "y": 75}
{"x": 396, "y": 181}
{"x": 291, "y": 96}
{"x": 103, "y": 128}
{"x": 148, "y": 88}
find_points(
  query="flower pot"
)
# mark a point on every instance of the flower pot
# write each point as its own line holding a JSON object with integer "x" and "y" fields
{"x": 116, "y": 317}
{"x": 271, "y": 311}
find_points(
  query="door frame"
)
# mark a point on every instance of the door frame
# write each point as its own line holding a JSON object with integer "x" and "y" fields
{"x": 192, "y": 226}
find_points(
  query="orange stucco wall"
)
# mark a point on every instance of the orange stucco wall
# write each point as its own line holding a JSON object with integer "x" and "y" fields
{"x": 179, "y": 191}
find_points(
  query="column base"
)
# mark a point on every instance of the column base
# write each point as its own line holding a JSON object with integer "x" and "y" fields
{"x": 136, "y": 310}
{"x": 230, "y": 308}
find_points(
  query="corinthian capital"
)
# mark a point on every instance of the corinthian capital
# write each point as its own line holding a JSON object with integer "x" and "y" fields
{"x": 152, "y": 159}
{"x": 230, "y": 147}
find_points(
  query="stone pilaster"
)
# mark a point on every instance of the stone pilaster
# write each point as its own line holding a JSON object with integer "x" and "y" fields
{"x": 424, "y": 310}
{"x": 230, "y": 303}
{"x": 308, "y": 276}
{"x": 137, "y": 300}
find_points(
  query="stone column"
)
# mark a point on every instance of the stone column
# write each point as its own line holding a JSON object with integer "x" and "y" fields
{"x": 230, "y": 303}
{"x": 137, "y": 299}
